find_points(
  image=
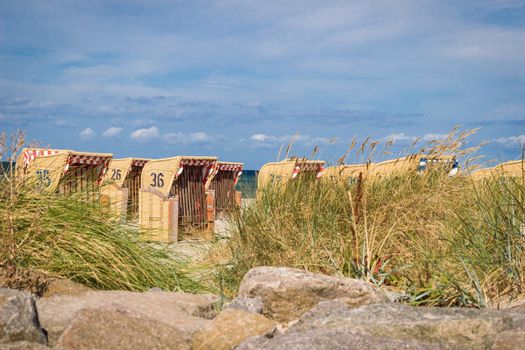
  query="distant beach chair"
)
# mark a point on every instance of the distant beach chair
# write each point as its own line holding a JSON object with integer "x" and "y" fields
{"x": 280, "y": 173}
{"x": 121, "y": 187}
{"x": 417, "y": 163}
{"x": 223, "y": 182}
{"x": 63, "y": 171}
{"x": 174, "y": 194}
{"x": 346, "y": 172}
{"x": 513, "y": 168}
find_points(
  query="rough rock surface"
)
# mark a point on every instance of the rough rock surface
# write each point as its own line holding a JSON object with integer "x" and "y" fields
{"x": 333, "y": 325}
{"x": 187, "y": 313}
{"x": 64, "y": 287}
{"x": 18, "y": 317}
{"x": 288, "y": 293}
{"x": 230, "y": 328}
{"x": 518, "y": 317}
{"x": 510, "y": 340}
{"x": 23, "y": 345}
{"x": 114, "y": 328}
{"x": 336, "y": 339}
{"x": 254, "y": 305}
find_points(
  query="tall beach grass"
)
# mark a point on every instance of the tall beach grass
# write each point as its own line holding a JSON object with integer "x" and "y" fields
{"x": 75, "y": 238}
{"x": 444, "y": 240}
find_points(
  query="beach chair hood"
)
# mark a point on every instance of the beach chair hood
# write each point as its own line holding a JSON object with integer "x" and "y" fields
{"x": 288, "y": 169}
{"x": 47, "y": 166}
{"x": 118, "y": 169}
{"x": 158, "y": 175}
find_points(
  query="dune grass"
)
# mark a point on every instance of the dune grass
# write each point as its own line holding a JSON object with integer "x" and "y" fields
{"x": 75, "y": 238}
{"x": 444, "y": 240}
{"x": 78, "y": 240}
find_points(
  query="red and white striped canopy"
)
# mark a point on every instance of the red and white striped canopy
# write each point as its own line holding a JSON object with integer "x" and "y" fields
{"x": 196, "y": 162}
{"x": 230, "y": 167}
{"x": 139, "y": 162}
{"x": 75, "y": 159}
{"x": 31, "y": 154}
{"x": 101, "y": 162}
{"x": 315, "y": 167}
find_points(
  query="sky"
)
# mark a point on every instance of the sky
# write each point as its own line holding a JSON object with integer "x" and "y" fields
{"x": 238, "y": 79}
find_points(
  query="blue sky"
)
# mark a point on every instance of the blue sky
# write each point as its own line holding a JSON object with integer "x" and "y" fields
{"x": 239, "y": 78}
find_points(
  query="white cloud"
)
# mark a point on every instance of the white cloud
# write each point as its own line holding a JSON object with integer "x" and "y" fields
{"x": 402, "y": 137}
{"x": 87, "y": 134}
{"x": 512, "y": 141}
{"x": 111, "y": 132}
{"x": 398, "y": 137}
{"x": 259, "y": 137}
{"x": 432, "y": 137}
{"x": 263, "y": 140}
{"x": 183, "y": 138}
{"x": 145, "y": 134}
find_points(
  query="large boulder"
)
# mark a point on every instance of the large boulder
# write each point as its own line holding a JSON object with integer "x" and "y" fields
{"x": 187, "y": 313}
{"x": 230, "y": 328}
{"x": 336, "y": 339}
{"x": 114, "y": 328}
{"x": 19, "y": 318}
{"x": 419, "y": 327}
{"x": 288, "y": 293}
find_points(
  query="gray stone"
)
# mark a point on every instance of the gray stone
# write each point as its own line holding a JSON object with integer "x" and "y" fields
{"x": 230, "y": 328}
{"x": 288, "y": 293}
{"x": 254, "y": 305}
{"x": 19, "y": 318}
{"x": 185, "y": 312}
{"x": 457, "y": 327}
{"x": 23, "y": 345}
{"x": 336, "y": 339}
{"x": 518, "y": 317}
{"x": 114, "y": 328}
{"x": 510, "y": 340}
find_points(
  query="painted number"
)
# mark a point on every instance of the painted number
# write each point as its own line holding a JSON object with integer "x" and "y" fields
{"x": 43, "y": 178}
{"x": 115, "y": 174}
{"x": 157, "y": 180}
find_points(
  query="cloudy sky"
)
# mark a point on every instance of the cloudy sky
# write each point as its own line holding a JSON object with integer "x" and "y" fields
{"x": 239, "y": 78}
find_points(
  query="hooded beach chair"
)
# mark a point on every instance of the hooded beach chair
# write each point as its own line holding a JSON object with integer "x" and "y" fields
{"x": 63, "y": 171}
{"x": 173, "y": 194}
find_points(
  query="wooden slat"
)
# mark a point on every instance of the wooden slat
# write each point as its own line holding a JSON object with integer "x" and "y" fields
{"x": 224, "y": 186}
{"x": 189, "y": 187}
{"x": 132, "y": 183}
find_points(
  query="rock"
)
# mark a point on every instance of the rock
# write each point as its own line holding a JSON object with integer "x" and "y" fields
{"x": 254, "y": 305}
{"x": 335, "y": 339}
{"x": 185, "y": 312}
{"x": 288, "y": 293}
{"x": 446, "y": 327}
{"x": 518, "y": 317}
{"x": 510, "y": 340}
{"x": 64, "y": 287}
{"x": 111, "y": 327}
{"x": 199, "y": 305}
{"x": 23, "y": 345}
{"x": 230, "y": 328}
{"x": 19, "y": 318}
